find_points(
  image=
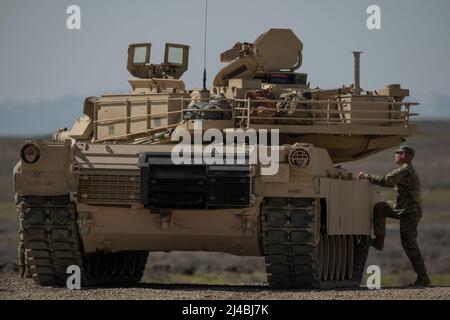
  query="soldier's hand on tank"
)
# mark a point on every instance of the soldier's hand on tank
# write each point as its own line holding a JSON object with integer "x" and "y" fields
{"x": 362, "y": 175}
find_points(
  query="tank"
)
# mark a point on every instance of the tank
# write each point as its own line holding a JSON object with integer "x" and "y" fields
{"x": 252, "y": 166}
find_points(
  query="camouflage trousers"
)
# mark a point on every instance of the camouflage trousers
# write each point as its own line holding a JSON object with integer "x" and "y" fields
{"x": 408, "y": 231}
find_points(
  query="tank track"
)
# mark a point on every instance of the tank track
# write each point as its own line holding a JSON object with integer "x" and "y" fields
{"x": 292, "y": 251}
{"x": 49, "y": 243}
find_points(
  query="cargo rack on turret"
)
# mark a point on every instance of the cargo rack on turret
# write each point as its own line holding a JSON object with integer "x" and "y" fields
{"x": 124, "y": 117}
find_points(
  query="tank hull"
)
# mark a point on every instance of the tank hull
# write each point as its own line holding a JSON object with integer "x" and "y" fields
{"x": 110, "y": 228}
{"x": 104, "y": 187}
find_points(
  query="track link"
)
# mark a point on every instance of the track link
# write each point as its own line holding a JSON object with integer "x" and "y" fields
{"x": 49, "y": 243}
{"x": 291, "y": 249}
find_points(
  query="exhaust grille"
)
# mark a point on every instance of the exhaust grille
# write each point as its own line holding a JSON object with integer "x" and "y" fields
{"x": 166, "y": 185}
{"x": 107, "y": 187}
{"x": 228, "y": 192}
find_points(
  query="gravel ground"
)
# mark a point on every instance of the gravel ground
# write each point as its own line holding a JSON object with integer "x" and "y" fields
{"x": 11, "y": 287}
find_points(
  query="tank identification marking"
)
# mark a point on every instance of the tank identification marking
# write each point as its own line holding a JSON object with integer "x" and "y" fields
{"x": 233, "y": 149}
{"x": 248, "y": 228}
{"x": 84, "y": 222}
{"x": 40, "y": 183}
{"x": 34, "y": 183}
{"x": 165, "y": 219}
{"x": 295, "y": 191}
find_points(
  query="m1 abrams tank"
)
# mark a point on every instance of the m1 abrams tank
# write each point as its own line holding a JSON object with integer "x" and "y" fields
{"x": 109, "y": 191}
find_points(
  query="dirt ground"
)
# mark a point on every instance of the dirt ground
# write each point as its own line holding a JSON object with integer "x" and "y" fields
{"x": 13, "y": 288}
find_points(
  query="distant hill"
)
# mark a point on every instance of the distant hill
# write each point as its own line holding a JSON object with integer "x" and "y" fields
{"x": 42, "y": 117}
{"x": 39, "y": 118}
{"x": 433, "y": 106}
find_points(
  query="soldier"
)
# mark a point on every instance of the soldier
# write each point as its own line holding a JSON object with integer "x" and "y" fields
{"x": 407, "y": 208}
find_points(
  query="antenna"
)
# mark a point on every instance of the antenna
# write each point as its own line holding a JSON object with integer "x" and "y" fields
{"x": 204, "y": 53}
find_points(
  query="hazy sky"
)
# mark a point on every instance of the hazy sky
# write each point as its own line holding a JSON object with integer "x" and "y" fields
{"x": 42, "y": 60}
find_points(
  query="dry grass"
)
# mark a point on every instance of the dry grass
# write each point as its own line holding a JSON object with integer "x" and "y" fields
{"x": 8, "y": 211}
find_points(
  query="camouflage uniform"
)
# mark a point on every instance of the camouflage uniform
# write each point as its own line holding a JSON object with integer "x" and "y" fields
{"x": 407, "y": 208}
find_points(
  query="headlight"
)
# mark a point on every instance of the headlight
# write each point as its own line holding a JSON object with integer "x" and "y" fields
{"x": 30, "y": 153}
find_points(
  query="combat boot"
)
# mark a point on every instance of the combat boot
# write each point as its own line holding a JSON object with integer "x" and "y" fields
{"x": 422, "y": 281}
{"x": 377, "y": 242}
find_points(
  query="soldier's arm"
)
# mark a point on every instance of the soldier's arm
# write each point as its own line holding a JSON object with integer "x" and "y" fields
{"x": 389, "y": 180}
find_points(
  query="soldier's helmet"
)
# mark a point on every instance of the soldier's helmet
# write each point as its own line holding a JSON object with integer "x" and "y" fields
{"x": 406, "y": 149}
